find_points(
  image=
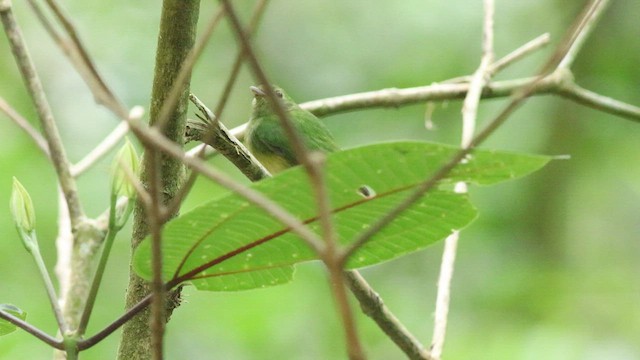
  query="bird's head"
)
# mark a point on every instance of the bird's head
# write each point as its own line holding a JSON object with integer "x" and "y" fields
{"x": 261, "y": 103}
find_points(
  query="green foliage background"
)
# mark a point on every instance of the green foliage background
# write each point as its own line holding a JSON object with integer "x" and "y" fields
{"x": 550, "y": 269}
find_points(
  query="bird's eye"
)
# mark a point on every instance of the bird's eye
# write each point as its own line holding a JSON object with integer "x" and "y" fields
{"x": 278, "y": 93}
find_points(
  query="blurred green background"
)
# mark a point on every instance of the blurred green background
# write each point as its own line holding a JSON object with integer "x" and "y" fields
{"x": 549, "y": 270}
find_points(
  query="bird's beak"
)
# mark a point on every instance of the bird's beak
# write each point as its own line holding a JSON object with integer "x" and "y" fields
{"x": 257, "y": 92}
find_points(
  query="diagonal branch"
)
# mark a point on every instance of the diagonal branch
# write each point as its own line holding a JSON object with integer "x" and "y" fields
{"x": 51, "y": 134}
{"x": 77, "y": 53}
{"x": 25, "y": 126}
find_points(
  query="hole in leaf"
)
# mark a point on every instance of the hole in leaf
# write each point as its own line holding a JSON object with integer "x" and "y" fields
{"x": 366, "y": 191}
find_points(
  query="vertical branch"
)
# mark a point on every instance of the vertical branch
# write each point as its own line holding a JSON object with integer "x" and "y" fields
{"x": 176, "y": 39}
{"x": 469, "y": 118}
{"x": 153, "y": 210}
{"x": 332, "y": 257}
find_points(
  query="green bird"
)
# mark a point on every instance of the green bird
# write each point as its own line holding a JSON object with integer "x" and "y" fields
{"x": 267, "y": 140}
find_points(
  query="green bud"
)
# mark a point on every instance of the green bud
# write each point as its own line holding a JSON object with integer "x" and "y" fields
{"x": 22, "y": 208}
{"x": 127, "y": 158}
{"x": 24, "y": 215}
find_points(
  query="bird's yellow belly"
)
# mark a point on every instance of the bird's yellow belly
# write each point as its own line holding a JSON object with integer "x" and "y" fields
{"x": 273, "y": 163}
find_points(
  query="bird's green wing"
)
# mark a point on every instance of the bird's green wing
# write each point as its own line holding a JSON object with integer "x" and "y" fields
{"x": 315, "y": 134}
{"x": 269, "y": 139}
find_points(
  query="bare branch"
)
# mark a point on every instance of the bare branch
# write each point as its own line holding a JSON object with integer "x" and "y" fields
{"x": 77, "y": 53}
{"x": 39, "y": 334}
{"x": 103, "y": 148}
{"x": 216, "y": 135}
{"x": 519, "y": 53}
{"x": 373, "y": 306}
{"x": 599, "y": 102}
{"x": 469, "y": 119}
{"x": 25, "y": 126}
{"x": 588, "y": 23}
{"x": 34, "y": 86}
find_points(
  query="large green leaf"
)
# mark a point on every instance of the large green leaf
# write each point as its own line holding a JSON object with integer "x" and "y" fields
{"x": 5, "y": 326}
{"x": 258, "y": 251}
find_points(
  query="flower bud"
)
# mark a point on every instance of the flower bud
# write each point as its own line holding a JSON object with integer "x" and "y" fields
{"x": 127, "y": 158}
{"x": 22, "y": 208}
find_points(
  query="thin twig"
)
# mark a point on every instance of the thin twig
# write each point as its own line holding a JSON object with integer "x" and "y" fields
{"x": 220, "y": 131}
{"x": 115, "y": 325}
{"x": 600, "y": 102}
{"x": 393, "y": 98}
{"x": 518, "y": 99}
{"x": 80, "y": 58}
{"x": 34, "y": 86}
{"x": 590, "y": 19}
{"x": 519, "y": 53}
{"x": 469, "y": 119}
{"x": 373, "y": 306}
{"x": 294, "y": 138}
{"x": 39, "y": 334}
{"x": 107, "y": 144}
{"x": 235, "y": 69}
{"x": 330, "y": 255}
{"x": 25, "y": 126}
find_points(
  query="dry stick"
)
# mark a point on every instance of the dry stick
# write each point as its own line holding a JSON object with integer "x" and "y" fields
{"x": 235, "y": 69}
{"x": 353, "y": 343}
{"x": 25, "y": 126}
{"x": 469, "y": 118}
{"x": 520, "y": 52}
{"x": 34, "y": 86}
{"x": 373, "y": 306}
{"x": 219, "y": 130}
{"x": 599, "y": 102}
{"x": 331, "y": 254}
{"x": 588, "y": 24}
{"x": 103, "y": 148}
{"x": 506, "y": 60}
{"x": 393, "y": 98}
{"x": 216, "y": 135}
{"x": 81, "y": 59}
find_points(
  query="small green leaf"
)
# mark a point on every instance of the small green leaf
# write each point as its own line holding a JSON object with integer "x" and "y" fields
{"x": 238, "y": 245}
{"x": 5, "y": 326}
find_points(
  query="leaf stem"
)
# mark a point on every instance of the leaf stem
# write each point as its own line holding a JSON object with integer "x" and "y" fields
{"x": 39, "y": 334}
